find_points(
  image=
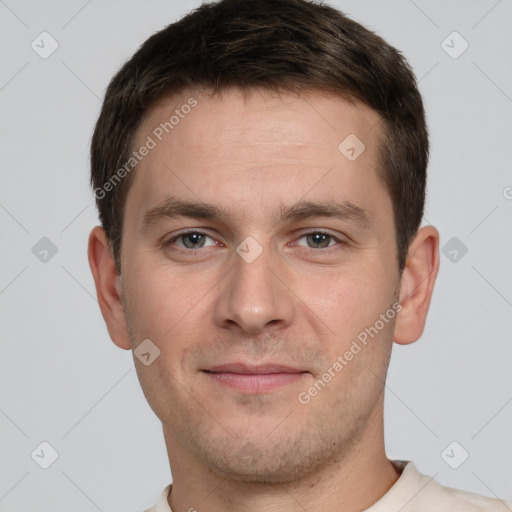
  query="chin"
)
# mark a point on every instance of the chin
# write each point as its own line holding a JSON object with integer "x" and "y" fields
{"x": 284, "y": 461}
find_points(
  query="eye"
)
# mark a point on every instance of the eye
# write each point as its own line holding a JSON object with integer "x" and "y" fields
{"x": 199, "y": 239}
{"x": 191, "y": 240}
{"x": 320, "y": 240}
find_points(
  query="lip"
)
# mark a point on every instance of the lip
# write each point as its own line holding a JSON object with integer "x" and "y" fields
{"x": 254, "y": 378}
{"x": 248, "y": 369}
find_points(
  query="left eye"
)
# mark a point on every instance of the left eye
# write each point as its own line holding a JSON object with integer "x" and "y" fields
{"x": 319, "y": 239}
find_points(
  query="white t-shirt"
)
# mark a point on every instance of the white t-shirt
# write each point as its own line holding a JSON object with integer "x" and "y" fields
{"x": 412, "y": 492}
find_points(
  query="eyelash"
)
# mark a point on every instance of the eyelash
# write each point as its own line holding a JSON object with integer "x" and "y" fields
{"x": 313, "y": 232}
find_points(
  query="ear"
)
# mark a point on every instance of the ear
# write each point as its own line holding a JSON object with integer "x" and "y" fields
{"x": 108, "y": 287}
{"x": 417, "y": 285}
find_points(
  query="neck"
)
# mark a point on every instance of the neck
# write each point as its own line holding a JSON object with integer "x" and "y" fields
{"x": 352, "y": 484}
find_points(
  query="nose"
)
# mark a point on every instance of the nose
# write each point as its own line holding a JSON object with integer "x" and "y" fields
{"x": 253, "y": 297}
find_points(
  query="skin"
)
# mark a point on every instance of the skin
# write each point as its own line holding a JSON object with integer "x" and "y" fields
{"x": 299, "y": 303}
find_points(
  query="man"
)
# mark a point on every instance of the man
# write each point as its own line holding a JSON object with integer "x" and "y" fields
{"x": 259, "y": 169}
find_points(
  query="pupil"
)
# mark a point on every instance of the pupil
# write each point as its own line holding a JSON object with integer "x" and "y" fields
{"x": 192, "y": 239}
{"x": 320, "y": 238}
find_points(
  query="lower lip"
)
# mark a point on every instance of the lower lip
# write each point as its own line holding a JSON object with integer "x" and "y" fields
{"x": 256, "y": 382}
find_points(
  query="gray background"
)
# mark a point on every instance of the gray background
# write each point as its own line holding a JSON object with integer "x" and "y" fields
{"x": 64, "y": 382}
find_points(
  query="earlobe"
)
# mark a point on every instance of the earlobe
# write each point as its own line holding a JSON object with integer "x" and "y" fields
{"x": 417, "y": 285}
{"x": 108, "y": 287}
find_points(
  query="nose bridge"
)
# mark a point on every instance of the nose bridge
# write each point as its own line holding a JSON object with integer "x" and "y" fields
{"x": 252, "y": 296}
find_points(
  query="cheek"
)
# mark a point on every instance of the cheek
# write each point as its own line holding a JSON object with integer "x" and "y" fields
{"x": 349, "y": 301}
{"x": 162, "y": 298}
{"x": 171, "y": 308}
{"x": 344, "y": 297}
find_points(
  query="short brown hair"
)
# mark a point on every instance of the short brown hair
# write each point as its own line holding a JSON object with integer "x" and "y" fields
{"x": 277, "y": 45}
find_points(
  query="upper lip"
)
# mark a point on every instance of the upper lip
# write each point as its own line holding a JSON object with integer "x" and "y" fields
{"x": 249, "y": 369}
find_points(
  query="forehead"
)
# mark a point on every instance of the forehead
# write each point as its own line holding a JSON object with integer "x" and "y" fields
{"x": 272, "y": 146}
{"x": 259, "y": 116}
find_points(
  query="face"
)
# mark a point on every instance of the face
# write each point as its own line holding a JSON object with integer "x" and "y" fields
{"x": 255, "y": 254}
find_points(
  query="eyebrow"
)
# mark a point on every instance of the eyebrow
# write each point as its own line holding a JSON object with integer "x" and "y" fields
{"x": 302, "y": 210}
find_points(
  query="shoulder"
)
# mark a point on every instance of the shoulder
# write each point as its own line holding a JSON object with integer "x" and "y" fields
{"x": 162, "y": 505}
{"x": 415, "y": 492}
{"x": 455, "y": 500}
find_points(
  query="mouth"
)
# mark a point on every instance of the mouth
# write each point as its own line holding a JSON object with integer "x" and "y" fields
{"x": 254, "y": 378}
